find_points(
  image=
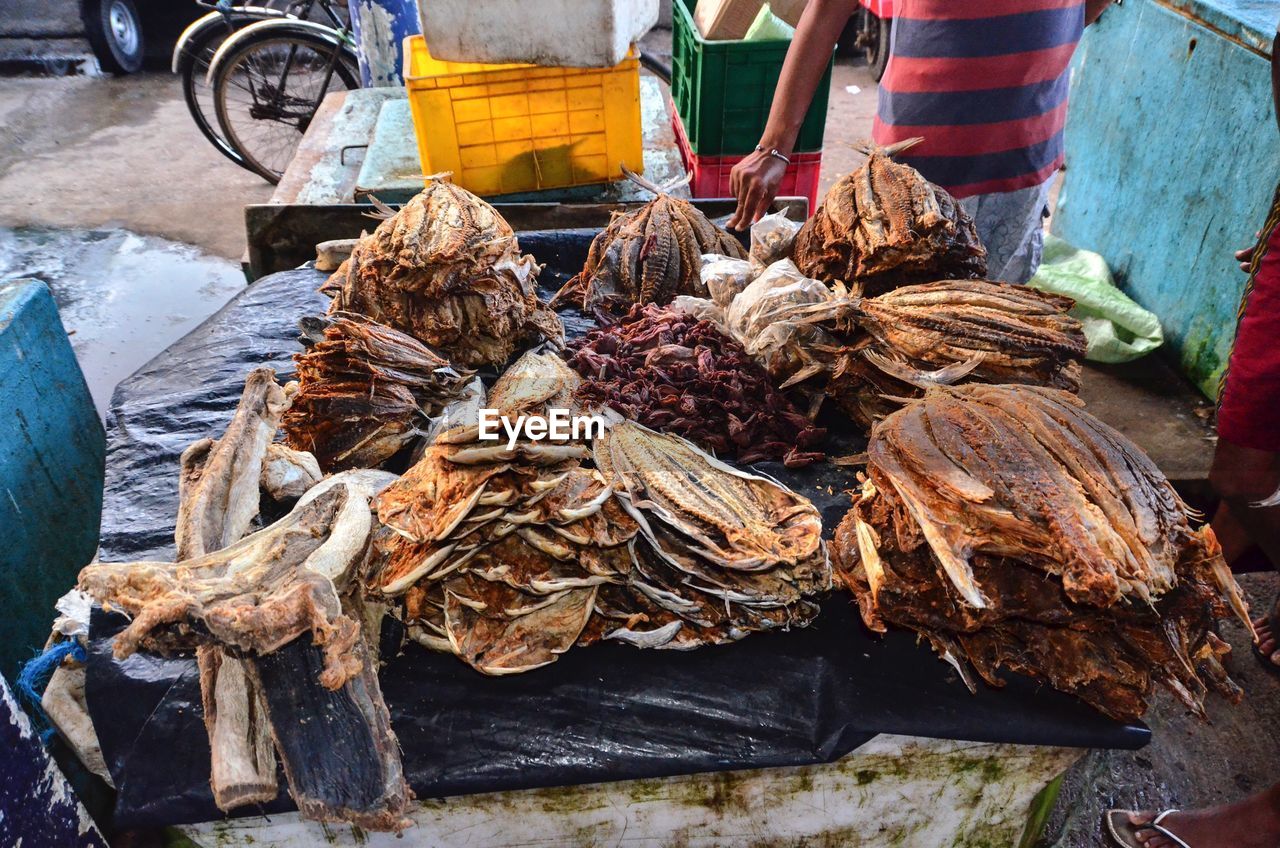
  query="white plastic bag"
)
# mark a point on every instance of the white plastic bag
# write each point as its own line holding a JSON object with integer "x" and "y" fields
{"x": 766, "y": 320}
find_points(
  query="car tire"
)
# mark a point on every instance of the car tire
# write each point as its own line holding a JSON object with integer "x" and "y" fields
{"x": 879, "y": 32}
{"x": 114, "y": 29}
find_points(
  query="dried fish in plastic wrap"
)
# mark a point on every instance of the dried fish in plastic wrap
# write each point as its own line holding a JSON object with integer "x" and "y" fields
{"x": 670, "y": 371}
{"x": 884, "y": 226}
{"x": 365, "y": 392}
{"x": 447, "y": 270}
{"x": 725, "y": 277}
{"x": 647, "y": 256}
{"x": 770, "y": 319}
{"x": 1014, "y": 530}
{"x": 949, "y": 332}
{"x": 773, "y": 238}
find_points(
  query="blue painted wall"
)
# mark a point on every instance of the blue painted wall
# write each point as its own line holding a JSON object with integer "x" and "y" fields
{"x": 51, "y": 467}
{"x": 1172, "y": 158}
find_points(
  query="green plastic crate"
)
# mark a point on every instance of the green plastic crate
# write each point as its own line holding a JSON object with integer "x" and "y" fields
{"x": 723, "y": 89}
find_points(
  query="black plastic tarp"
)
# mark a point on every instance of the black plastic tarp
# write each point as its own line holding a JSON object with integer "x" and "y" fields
{"x": 601, "y": 713}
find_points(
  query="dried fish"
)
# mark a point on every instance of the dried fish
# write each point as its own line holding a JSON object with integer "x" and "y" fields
{"x": 884, "y": 226}
{"x": 447, "y": 270}
{"x": 954, "y": 331}
{"x": 365, "y": 391}
{"x": 679, "y": 375}
{"x": 650, "y": 255}
{"x": 1014, "y": 530}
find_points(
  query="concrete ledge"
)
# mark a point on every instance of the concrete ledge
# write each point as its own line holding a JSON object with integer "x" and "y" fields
{"x": 52, "y": 449}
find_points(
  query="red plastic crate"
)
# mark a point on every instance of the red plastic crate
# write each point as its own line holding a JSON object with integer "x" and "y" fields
{"x": 711, "y": 173}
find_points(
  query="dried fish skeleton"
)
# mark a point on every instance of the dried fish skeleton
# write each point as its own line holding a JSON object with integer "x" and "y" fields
{"x": 447, "y": 270}
{"x": 252, "y": 607}
{"x": 650, "y": 255}
{"x": 884, "y": 226}
{"x": 365, "y": 391}
{"x": 1014, "y": 530}
{"x": 954, "y": 331}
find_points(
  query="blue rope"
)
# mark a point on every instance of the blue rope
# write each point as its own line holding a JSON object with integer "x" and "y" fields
{"x": 35, "y": 674}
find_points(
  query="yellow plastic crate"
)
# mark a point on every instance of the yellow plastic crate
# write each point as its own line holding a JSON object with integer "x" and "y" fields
{"x": 512, "y": 128}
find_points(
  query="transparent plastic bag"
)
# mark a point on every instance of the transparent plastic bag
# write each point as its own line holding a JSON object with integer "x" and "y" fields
{"x": 700, "y": 308}
{"x": 767, "y": 320}
{"x": 725, "y": 277}
{"x": 772, "y": 238}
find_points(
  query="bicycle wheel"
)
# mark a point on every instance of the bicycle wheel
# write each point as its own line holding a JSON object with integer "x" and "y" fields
{"x": 266, "y": 92}
{"x": 194, "y": 67}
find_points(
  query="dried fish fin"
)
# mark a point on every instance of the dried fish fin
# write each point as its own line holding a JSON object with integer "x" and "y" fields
{"x": 243, "y": 769}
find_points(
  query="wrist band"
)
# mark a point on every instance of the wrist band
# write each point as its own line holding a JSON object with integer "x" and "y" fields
{"x": 774, "y": 153}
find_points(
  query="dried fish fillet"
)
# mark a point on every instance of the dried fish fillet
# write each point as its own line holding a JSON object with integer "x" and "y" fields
{"x": 884, "y": 226}
{"x": 366, "y": 391}
{"x": 944, "y": 333}
{"x": 1014, "y": 530}
{"x": 447, "y": 270}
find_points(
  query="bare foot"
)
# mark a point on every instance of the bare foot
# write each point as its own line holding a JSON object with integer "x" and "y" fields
{"x": 1268, "y": 642}
{"x": 1251, "y": 823}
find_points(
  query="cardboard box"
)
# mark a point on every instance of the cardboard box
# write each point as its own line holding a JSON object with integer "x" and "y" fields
{"x": 725, "y": 20}
{"x": 788, "y": 10}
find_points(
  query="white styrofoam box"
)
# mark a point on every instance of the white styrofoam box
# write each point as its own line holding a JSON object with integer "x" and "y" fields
{"x": 565, "y": 33}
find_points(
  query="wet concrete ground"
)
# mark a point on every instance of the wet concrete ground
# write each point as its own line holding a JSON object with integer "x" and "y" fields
{"x": 116, "y": 328}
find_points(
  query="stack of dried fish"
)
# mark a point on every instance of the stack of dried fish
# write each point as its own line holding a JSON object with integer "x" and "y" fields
{"x": 366, "y": 391}
{"x": 264, "y": 613}
{"x": 944, "y": 333}
{"x": 884, "y": 225}
{"x": 1014, "y": 530}
{"x": 650, "y": 255}
{"x": 721, "y": 553}
{"x": 670, "y": 371}
{"x": 509, "y": 555}
{"x": 447, "y": 270}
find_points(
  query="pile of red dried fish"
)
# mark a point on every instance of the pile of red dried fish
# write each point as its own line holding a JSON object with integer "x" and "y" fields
{"x": 366, "y": 391}
{"x": 884, "y": 225}
{"x": 674, "y": 373}
{"x": 447, "y": 269}
{"x": 1014, "y": 530}
{"x": 650, "y": 255}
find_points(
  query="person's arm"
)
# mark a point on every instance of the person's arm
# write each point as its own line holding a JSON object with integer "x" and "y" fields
{"x": 1094, "y": 8}
{"x": 754, "y": 180}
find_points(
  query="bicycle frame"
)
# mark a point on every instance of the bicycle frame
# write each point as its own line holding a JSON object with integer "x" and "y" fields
{"x": 340, "y": 39}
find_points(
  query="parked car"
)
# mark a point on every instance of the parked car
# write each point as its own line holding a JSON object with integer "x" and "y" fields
{"x": 122, "y": 33}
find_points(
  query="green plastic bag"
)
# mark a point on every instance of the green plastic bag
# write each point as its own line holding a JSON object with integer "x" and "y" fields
{"x": 1116, "y": 328}
{"x": 769, "y": 27}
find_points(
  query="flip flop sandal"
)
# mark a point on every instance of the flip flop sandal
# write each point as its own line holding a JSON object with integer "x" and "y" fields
{"x": 1125, "y": 834}
{"x": 1273, "y": 620}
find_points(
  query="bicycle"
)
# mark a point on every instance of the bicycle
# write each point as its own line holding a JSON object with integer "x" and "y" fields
{"x": 265, "y": 72}
{"x": 193, "y": 54}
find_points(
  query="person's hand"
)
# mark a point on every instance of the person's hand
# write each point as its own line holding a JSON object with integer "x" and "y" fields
{"x": 754, "y": 181}
{"x": 1245, "y": 257}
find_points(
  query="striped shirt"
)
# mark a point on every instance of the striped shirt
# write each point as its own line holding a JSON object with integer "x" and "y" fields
{"x": 984, "y": 82}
